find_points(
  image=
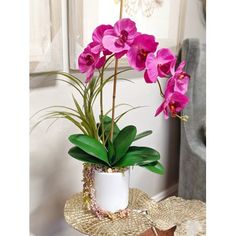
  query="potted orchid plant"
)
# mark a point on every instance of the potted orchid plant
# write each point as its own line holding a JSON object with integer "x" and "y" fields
{"x": 107, "y": 150}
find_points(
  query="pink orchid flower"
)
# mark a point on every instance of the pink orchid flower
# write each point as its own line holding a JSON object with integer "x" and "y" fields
{"x": 160, "y": 65}
{"x": 180, "y": 79}
{"x": 173, "y": 103}
{"x": 119, "y": 39}
{"x": 89, "y": 61}
{"x": 179, "y": 68}
{"x": 97, "y": 37}
{"x": 143, "y": 45}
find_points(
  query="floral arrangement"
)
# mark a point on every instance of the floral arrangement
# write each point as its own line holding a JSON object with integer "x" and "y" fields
{"x": 102, "y": 144}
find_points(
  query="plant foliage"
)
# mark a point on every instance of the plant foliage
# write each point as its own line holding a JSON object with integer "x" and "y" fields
{"x": 116, "y": 153}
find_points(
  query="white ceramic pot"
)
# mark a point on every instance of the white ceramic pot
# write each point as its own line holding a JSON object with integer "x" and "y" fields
{"x": 112, "y": 190}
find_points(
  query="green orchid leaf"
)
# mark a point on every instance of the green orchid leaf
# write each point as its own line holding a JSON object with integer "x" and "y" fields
{"x": 155, "y": 167}
{"x": 138, "y": 156}
{"x": 73, "y": 85}
{"x": 107, "y": 127}
{"x": 124, "y": 79}
{"x": 90, "y": 146}
{"x": 80, "y": 155}
{"x": 111, "y": 151}
{"x": 116, "y": 106}
{"x": 143, "y": 134}
{"x": 123, "y": 141}
{"x": 69, "y": 116}
{"x": 71, "y": 77}
{"x": 127, "y": 111}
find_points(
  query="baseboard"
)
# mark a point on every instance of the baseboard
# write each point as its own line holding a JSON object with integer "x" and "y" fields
{"x": 165, "y": 193}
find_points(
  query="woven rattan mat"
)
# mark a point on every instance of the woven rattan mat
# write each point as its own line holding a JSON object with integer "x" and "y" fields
{"x": 188, "y": 215}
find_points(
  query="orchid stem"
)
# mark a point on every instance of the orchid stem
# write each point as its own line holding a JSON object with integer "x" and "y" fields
{"x": 121, "y": 8}
{"x": 159, "y": 85}
{"x": 101, "y": 106}
{"x": 101, "y": 74}
{"x": 114, "y": 84}
{"x": 114, "y": 98}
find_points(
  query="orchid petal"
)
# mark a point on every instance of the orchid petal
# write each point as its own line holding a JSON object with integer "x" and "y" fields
{"x": 96, "y": 49}
{"x": 131, "y": 56}
{"x": 98, "y": 33}
{"x": 166, "y": 62}
{"x": 146, "y": 78}
{"x": 160, "y": 109}
{"x": 120, "y": 54}
{"x": 101, "y": 62}
{"x": 127, "y": 25}
{"x": 109, "y": 42}
{"x": 181, "y": 67}
{"x": 151, "y": 65}
{"x": 89, "y": 74}
{"x": 165, "y": 55}
{"x": 172, "y": 67}
{"x": 141, "y": 47}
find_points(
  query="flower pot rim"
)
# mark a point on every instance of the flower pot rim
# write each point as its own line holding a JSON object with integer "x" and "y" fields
{"x": 107, "y": 173}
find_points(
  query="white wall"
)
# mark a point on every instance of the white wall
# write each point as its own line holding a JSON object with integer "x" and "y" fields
{"x": 55, "y": 176}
